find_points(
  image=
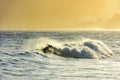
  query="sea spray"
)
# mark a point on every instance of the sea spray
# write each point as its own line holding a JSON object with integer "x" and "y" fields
{"x": 83, "y": 48}
{"x": 39, "y": 43}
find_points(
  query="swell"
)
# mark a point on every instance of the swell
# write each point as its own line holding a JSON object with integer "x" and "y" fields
{"x": 85, "y": 48}
{"x": 81, "y": 48}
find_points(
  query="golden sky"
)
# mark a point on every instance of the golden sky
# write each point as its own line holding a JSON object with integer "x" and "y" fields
{"x": 59, "y": 14}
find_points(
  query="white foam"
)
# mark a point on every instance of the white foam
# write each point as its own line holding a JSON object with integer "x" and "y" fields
{"x": 85, "y": 48}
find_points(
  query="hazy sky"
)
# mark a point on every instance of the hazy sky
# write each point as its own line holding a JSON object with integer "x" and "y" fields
{"x": 59, "y": 14}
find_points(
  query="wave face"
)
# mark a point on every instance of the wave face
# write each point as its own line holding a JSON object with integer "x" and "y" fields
{"x": 84, "y": 48}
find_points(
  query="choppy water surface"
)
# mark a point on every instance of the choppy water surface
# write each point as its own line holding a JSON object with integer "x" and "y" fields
{"x": 20, "y": 59}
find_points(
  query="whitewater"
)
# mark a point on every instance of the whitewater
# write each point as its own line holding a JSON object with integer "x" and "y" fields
{"x": 22, "y": 58}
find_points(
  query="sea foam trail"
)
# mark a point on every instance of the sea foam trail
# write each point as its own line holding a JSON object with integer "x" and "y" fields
{"x": 84, "y": 48}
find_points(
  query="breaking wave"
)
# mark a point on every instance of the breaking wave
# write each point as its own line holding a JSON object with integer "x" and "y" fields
{"x": 83, "y": 48}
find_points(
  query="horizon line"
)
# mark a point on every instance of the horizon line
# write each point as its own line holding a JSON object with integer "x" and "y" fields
{"x": 61, "y": 30}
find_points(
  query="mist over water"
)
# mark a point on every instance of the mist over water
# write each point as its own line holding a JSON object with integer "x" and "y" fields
{"x": 81, "y": 48}
{"x": 22, "y": 59}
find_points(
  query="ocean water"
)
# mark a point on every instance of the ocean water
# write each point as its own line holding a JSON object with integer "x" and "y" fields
{"x": 21, "y": 58}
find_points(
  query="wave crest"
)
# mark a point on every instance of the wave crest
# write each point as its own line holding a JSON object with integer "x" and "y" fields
{"x": 86, "y": 48}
